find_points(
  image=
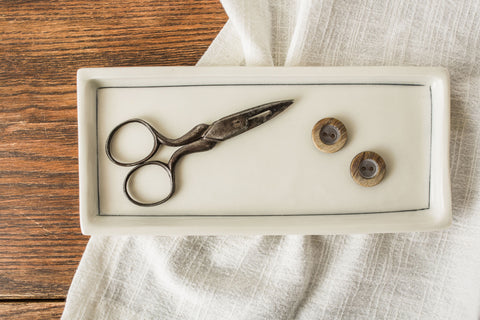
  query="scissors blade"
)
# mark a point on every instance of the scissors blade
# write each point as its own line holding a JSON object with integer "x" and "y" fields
{"x": 237, "y": 123}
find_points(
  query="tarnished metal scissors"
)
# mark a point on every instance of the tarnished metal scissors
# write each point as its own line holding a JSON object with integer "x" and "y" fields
{"x": 202, "y": 137}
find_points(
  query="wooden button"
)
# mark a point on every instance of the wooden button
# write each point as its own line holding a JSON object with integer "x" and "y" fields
{"x": 329, "y": 135}
{"x": 367, "y": 169}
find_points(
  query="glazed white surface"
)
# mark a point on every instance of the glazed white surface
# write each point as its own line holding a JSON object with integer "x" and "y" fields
{"x": 270, "y": 180}
{"x": 275, "y": 168}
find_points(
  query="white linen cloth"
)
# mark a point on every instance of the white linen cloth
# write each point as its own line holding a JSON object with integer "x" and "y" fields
{"x": 385, "y": 276}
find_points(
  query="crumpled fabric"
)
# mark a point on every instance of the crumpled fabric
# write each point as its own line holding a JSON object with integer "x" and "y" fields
{"x": 432, "y": 275}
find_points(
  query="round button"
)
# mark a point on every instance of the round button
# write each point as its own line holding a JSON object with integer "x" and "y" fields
{"x": 368, "y": 168}
{"x": 329, "y": 135}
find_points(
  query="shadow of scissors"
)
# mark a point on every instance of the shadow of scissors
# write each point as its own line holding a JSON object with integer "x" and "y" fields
{"x": 200, "y": 138}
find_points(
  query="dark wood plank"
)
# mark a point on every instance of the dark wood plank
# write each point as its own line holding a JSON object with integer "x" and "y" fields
{"x": 31, "y": 310}
{"x": 43, "y": 44}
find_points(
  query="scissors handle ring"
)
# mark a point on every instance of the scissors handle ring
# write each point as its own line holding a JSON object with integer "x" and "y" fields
{"x": 108, "y": 148}
{"x": 171, "y": 177}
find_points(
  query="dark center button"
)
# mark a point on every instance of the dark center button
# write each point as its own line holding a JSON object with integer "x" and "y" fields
{"x": 329, "y": 135}
{"x": 368, "y": 168}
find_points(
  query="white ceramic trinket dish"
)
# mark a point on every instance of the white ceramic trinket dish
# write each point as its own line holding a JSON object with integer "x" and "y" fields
{"x": 271, "y": 179}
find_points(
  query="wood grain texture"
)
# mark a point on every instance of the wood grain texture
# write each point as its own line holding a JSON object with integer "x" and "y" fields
{"x": 368, "y": 168}
{"x": 43, "y": 45}
{"x": 329, "y": 135}
{"x": 38, "y": 310}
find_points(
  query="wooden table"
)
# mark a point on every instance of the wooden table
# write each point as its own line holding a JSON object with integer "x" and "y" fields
{"x": 43, "y": 43}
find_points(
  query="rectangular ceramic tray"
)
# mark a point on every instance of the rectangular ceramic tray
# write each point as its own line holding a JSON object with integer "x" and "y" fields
{"x": 272, "y": 179}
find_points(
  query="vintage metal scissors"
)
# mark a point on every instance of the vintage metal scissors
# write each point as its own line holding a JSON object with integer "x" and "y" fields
{"x": 200, "y": 138}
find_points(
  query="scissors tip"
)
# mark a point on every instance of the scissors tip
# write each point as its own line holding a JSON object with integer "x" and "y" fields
{"x": 282, "y": 105}
{"x": 272, "y": 109}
